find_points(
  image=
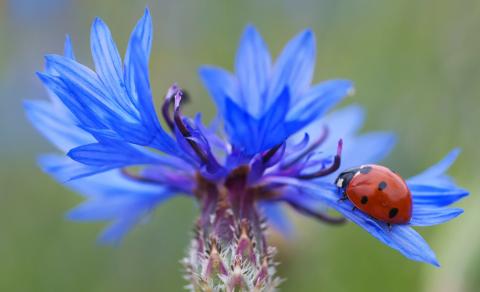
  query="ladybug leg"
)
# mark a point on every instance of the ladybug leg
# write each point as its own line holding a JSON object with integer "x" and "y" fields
{"x": 390, "y": 227}
{"x": 343, "y": 198}
{"x": 354, "y": 208}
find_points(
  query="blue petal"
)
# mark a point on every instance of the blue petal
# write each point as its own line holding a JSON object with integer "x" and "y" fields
{"x": 116, "y": 231}
{"x": 367, "y": 148}
{"x": 277, "y": 217}
{"x": 108, "y": 63}
{"x": 320, "y": 99}
{"x": 435, "y": 175}
{"x": 221, "y": 85}
{"x": 56, "y": 126}
{"x": 253, "y": 135}
{"x": 142, "y": 32}
{"x": 433, "y": 188}
{"x": 112, "y": 196}
{"x": 341, "y": 123}
{"x": 357, "y": 148}
{"x": 68, "y": 48}
{"x": 64, "y": 169}
{"x": 112, "y": 155}
{"x": 272, "y": 129}
{"x": 109, "y": 208}
{"x": 81, "y": 91}
{"x": 240, "y": 127}
{"x": 294, "y": 68}
{"x": 432, "y": 196}
{"x": 162, "y": 140}
{"x": 83, "y": 80}
{"x": 112, "y": 184}
{"x": 76, "y": 105}
{"x": 252, "y": 68}
{"x": 96, "y": 117}
{"x": 401, "y": 237}
{"x": 67, "y": 52}
{"x": 433, "y": 216}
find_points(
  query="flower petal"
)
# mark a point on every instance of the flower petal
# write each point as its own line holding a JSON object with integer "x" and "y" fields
{"x": 433, "y": 188}
{"x": 294, "y": 68}
{"x": 319, "y": 100}
{"x": 56, "y": 126}
{"x": 113, "y": 196}
{"x": 341, "y": 123}
{"x": 432, "y": 196}
{"x": 116, "y": 231}
{"x": 161, "y": 140}
{"x": 240, "y": 127}
{"x": 277, "y": 217}
{"x": 87, "y": 116}
{"x": 253, "y": 135}
{"x": 367, "y": 148}
{"x": 221, "y": 85}
{"x": 401, "y": 237}
{"x": 433, "y": 216}
{"x": 142, "y": 32}
{"x": 252, "y": 68}
{"x": 435, "y": 175}
{"x": 113, "y": 155}
{"x": 108, "y": 63}
{"x": 68, "y": 48}
{"x": 64, "y": 169}
{"x": 83, "y": 80}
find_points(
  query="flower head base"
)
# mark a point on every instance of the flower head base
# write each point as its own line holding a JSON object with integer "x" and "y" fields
{"x": 280, "y": 150}
{"x": 229, "y": 250}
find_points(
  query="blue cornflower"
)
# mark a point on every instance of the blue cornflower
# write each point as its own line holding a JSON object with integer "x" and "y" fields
{"x": 278, "y": 138}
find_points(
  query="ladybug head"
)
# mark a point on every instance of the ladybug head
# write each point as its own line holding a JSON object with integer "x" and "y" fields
{"x": 345, "y": 177}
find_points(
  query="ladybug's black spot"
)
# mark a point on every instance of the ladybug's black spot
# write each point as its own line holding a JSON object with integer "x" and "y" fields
{"x": 382, "y": 185}
{"x": 364, "y": 200}
{"x": 365, "y": 169}
{"x": 393, "y": 212}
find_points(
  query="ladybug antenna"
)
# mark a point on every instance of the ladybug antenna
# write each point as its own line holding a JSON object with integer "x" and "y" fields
{"x": 329, "y": 170}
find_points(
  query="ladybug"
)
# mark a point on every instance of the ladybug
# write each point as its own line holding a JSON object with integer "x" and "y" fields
{"x": 378, "y": 192}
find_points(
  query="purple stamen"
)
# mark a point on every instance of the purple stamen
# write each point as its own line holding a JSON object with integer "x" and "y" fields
{"x": 183, "y": 128}
{"x": 172, "y": 91}
{"x": 326, "y": 171}
{"x": 323, "y": 217}
{"x": 270, "y": 153}
{"x": 309, "y": 150}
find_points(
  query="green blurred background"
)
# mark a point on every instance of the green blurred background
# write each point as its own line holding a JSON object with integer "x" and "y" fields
{"x": 416, "y": 65}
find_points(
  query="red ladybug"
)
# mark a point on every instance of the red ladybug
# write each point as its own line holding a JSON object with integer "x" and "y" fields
{"x": 377, "y": 191}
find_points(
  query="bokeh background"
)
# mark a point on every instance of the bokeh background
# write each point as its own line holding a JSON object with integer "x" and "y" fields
{"x": 416, "y": 65}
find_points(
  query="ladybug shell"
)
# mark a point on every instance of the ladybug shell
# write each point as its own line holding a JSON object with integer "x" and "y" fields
{"x": 379, "y": 192}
